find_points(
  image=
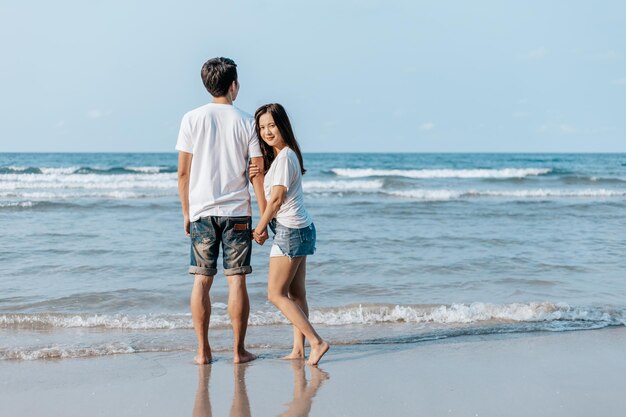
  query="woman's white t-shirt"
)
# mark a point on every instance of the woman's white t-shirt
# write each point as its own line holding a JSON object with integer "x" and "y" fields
{"x": 285, "y": 170}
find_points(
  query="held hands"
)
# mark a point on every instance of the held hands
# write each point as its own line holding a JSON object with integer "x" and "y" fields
{"x": 260, "y": 236}
{"x": 253, "y": 170}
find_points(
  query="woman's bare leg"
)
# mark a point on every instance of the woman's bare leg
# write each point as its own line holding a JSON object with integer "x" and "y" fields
{"x": 297, "y": 293}
{"x": 281, "y": 274}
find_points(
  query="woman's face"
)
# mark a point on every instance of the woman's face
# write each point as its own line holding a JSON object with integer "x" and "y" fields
{"x": 269, "y": 131}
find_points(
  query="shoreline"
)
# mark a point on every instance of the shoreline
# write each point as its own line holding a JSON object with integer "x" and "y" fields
{"x": 553, "y": 374}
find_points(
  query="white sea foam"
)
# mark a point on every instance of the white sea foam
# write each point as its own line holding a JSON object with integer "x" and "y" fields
{"x": 17, "y": 168}
{"x": 442, "y": 195}
{"x": 448, "y": 321}
{"x": 63, "y": 352}
{"x": 121, "y": 186}
{"x": 146, "y": 170}
{"x": 61, "y": 196}
{"x": 550, "y": 193}
{"x": 21, "y": 204}
{"x": 428, "y": 195}
{"x": 77, "y": 170}
{"x": 59, "y": 171}
{"x": 442, "y": 173}
{"x": 358, "y": 314}
{"x": 463, "y": 314}
{"x": 342, "y": 185}
{"x": 91, "y": 181}
{"x": 116, "y": 321}
{"x": 63, "y": 186}
{"x": 122, "y": 321}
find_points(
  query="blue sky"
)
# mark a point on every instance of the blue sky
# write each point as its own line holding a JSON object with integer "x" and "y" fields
{"x": 360, "y": 76}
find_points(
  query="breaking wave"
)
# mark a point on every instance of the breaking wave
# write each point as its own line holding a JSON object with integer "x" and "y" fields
{"x": 442, "y": 173}
{"x": 442, "y": 195}
{"x": 342, "y": 185}
{"x": 347, "y": 315}
{"x": 422, "y": 323}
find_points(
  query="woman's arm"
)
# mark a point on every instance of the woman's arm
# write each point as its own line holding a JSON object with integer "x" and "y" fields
{"x": 277, "y": 197}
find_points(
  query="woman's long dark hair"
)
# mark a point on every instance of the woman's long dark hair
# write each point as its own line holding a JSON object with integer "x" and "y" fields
{"x": 281, "y": 120}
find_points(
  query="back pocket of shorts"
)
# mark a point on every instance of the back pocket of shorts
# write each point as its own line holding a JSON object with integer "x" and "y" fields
{"x": 202, "y": 233}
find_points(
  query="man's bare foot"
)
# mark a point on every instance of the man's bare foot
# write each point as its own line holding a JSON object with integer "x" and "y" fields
{"x": 243, "y": 357}
{"x": 203, "y": 359}
{"x": 317, "y": 352}
{"x": 294, "y": 355}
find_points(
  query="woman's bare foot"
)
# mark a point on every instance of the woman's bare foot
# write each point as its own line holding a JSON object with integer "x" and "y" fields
{"x": 294, "y": 355}
{"x": 317, "y": 351}
{"x": 243, "y": 357}
{"x": 203, "y": 359}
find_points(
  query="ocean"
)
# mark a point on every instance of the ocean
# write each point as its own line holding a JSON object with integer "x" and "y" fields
{"x": 411, "y": 247}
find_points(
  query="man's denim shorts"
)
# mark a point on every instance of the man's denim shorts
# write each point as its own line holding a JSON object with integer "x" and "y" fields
{"x": 293, "y": 242}
{"x": 235, "y": 236}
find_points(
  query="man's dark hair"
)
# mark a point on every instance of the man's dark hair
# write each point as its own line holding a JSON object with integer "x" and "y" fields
{"x": 218, "y": 74}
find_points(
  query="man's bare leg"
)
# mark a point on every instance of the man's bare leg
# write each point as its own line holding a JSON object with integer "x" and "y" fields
{"x": 201, "y": 314}
{"x": 239, "y": 310}
{"x": 297, "y": 293}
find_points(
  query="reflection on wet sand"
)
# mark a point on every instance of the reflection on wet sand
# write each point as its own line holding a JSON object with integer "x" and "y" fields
{"x": 303, "y": 393}
{"x": 300, "y": 406}
{"x": 240, "y": 406}
{"x": 202, "y": 404}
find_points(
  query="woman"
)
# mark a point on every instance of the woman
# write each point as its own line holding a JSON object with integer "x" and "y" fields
{"x": 294, "y": 231}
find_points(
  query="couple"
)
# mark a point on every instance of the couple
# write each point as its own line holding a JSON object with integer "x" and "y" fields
{"x": 216, "y": 143}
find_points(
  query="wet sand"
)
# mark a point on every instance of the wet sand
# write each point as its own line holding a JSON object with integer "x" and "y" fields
{"x": 566, "y": 374}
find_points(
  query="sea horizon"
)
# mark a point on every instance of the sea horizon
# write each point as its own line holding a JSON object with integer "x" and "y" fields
{"x": 340, "y": 152}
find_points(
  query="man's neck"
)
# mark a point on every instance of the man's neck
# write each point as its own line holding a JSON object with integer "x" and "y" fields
{"x": 222, "y": 100}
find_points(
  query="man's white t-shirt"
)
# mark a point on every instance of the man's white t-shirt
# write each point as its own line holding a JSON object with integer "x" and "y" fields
{"x": 222, "y": 139}
{"x": 285, "y": 170}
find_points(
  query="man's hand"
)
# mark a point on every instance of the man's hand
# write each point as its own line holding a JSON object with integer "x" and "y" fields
{"x": 260, "y": 236}
{"x": 187, "y": 226}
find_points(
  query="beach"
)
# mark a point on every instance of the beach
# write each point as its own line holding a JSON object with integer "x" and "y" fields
{"x": 464, "y": 180}
{"x": 447, "y": 284}
{"x": 568, "y": 374}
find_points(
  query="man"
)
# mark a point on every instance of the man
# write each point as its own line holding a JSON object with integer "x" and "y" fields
{"x": 215, "y": 143}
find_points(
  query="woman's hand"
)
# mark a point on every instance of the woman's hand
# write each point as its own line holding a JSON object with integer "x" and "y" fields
{"x": 253, "y": 170}
{"x": 260, "y": 236}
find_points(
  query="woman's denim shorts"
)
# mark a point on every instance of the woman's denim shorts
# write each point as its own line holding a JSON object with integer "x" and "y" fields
{"x": 294, "y": 242}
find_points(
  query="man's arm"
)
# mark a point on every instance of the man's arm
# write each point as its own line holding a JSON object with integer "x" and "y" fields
{"x": 259, "y": 192}
{"x": 184, "y": 168}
